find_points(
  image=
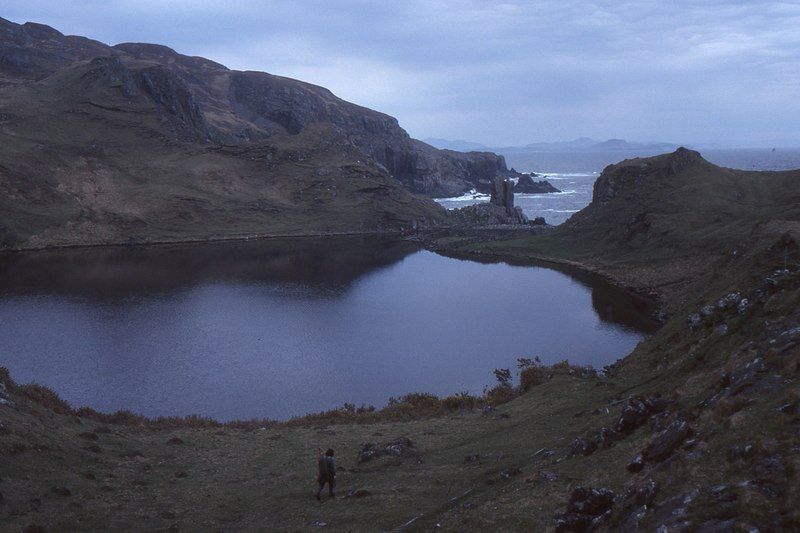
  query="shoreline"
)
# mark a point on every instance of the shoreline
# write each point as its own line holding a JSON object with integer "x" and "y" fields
{"x": 340, "y": 414}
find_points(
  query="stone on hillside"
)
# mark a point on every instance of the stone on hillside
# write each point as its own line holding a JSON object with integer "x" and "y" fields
{"x": 357, "y": 493}
{"x": 636, "y": 464}
{"x": 582, "y": 446}
{"x": 398, "y": 447}
{"x": 667, "y": 441}
{"x": 588, "y": 507}
{"x": 175, "y": 441}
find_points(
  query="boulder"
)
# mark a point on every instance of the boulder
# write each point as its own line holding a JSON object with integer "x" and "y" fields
{"x": 588, "y": 507}
{"x": 582, "y": 446}
{"x": 667, "y": 441}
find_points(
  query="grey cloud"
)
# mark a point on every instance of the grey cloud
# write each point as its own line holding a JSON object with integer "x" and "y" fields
{"x": 497, "y": 72}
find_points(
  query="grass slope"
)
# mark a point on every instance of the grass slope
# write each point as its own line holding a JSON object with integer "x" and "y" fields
{"x": 732, "y": 376}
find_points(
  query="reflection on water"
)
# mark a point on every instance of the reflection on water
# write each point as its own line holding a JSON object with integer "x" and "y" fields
{"x": 277, "y": 328}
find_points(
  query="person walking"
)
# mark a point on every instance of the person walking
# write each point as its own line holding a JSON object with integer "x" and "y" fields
{"x": 327, "y": 473}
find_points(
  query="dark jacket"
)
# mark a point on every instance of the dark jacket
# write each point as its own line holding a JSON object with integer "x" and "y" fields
{"x": 327, "y": 468}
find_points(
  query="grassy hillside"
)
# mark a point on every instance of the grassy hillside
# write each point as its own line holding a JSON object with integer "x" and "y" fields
{"x": 711, "y": 402}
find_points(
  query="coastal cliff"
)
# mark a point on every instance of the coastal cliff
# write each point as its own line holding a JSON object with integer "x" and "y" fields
{"x": 137, "y": 143}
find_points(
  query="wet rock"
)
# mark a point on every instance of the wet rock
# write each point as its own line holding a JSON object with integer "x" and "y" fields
{"x": 667, "y": 441}
{"x": 61, "y": 491}
{"x": 175, "y": 441}
{"x": 588, "y": 507}
{"x": 357, "y": 493}
{"x": 582, "y": 446}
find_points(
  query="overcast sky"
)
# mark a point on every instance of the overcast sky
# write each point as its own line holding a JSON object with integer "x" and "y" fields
{"x": 500, "y": 73}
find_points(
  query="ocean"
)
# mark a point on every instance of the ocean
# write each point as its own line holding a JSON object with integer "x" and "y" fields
{"x": 575, "y": 173}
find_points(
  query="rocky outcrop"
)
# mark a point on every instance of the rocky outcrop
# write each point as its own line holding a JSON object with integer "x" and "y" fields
{"x": 633, "y": 173}
{"x": 527, "y": 185}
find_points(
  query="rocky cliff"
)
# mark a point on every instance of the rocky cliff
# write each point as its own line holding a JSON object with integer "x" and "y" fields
{"x": 136, "y": 142}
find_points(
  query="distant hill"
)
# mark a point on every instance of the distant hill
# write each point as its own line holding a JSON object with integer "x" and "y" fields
{"x": 457, "y": 145}
{"x": 137, "y": 143}
{"x": 582, "y": 144}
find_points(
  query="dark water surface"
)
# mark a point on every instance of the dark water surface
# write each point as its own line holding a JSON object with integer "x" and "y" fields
{"x": 282, "y": 328}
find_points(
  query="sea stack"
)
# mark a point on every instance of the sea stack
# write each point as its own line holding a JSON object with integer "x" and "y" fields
{"x": 503, "y": 194}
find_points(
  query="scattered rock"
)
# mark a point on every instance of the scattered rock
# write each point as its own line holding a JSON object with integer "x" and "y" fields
{"x": 694, "y": 321}
{"x": 61, "y": 491}
{"x": 744, "y": 376}
{"x": 729, "y": 301}
{"x": 545, "y": 476}
{"x": 722, "y": 329}
{"x": 743, "y": 306}
{"x": 588, "y": 507}
{"x": 637, "y": 411}
{"x": 582, "y": 446}
{"x": 358, "y": 493}
{"x": 671, "y": 513}
{"x": 543, "y": 453}
{"x": 399, "y": 447}
{"x": 667, "y": 441}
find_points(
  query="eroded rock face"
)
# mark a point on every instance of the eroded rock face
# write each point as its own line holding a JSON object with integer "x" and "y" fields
{"x": 632, "y": 173}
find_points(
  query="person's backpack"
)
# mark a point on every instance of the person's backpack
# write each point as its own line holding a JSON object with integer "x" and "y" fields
{"x": 324, "y": 472}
